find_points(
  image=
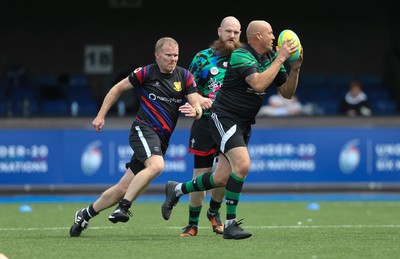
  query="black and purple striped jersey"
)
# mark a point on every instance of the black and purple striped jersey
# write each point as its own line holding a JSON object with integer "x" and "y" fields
{"x": 160, "y": 96}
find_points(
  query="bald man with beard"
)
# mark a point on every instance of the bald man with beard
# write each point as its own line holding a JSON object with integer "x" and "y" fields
{"x": 208, "y": 68}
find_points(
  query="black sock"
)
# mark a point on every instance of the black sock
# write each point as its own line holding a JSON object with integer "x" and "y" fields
{"x": 125, "y": 204}
{"x": 214, "y": 206}
{"x": 89, "y": 212}
{"x": 194, "y": 215}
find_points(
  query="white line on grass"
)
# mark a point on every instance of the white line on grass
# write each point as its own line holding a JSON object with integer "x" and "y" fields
{"x": 256, "y": 227}
{"x": 330, "y": 226}
{"x": 35, "y": 229}
{"x": 320, "y": 226}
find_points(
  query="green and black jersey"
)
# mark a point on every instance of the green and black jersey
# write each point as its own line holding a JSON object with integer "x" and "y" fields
{"x": 238, "y": 99}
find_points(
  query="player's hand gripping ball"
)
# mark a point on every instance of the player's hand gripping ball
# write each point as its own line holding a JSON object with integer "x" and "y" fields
{"x": 289, "y": 35}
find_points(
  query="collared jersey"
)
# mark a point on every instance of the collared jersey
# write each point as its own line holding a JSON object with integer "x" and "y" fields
{"x": 160, "y": 96}
{"x": 208, "y": 69}
{"x": 238, "y": 99}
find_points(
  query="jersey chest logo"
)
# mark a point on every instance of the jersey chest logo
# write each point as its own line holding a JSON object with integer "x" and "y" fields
{"x": 177, "y": 86}
{"x": 214, "y": 71}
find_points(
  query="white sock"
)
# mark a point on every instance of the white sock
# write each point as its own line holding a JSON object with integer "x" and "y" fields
{"x": 178, "y": 190}
{"x": 229, "y": 222}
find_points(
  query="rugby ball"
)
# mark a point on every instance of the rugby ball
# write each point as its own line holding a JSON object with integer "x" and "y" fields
{"x": 289, "y": 35}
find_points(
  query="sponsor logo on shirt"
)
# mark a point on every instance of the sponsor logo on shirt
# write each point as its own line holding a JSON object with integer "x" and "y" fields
{"x": 177, "y": 86}
{"x": 214, "y": 71}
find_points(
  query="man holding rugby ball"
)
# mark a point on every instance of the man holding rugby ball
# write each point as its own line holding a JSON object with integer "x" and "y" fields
{"x": 251, "y": 70}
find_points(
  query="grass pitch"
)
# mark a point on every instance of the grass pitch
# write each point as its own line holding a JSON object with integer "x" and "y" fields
{"x": 280, "y": 230}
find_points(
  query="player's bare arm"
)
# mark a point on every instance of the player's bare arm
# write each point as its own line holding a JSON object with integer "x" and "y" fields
{"x": 192, "y": 109}
{"x": 109, "y": 100}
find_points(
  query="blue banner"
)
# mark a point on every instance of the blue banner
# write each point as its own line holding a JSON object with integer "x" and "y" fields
{"x": 325, "y": 155}
{"x": 284, "y": 156}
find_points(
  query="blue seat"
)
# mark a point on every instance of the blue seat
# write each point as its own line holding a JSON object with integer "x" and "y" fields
{"x": 24, "y": 101}
{"x": 384, "y": 107}
{"x": 3, "y": 104}
{"x": 312, "y": 80}
{"x": 341, "y": 83}
{"x": 87, "y": 109}
{"x": 78, "y": 79}
{"x": 323, "y": 94}
{"x": 41, "y": 80}
{"x": 16, "y": 76}
{"x": 79, "y": 93}
{"x": 370, "y": 80}
{"x": 329, "y": 107}
{"x": 82, "y": 94}
{"x": 339, "y": 80}
{"x": 54, "y": 108}
{"x": 375, "y": 94}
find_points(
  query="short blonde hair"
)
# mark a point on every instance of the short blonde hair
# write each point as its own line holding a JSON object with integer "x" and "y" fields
{"x": 160, "y": 43}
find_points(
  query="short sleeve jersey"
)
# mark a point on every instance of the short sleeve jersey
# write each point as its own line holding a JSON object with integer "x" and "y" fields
{"x": 160, "y": 96}
{"x": 208, "y": 69}
{"x": 238, "y": 99}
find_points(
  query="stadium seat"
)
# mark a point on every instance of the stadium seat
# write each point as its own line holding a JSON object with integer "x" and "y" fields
{"x": 308, "y": 82}
{"x": 87, "y": 109}
{"x": 77, "y": 90}
{"x": 329, "y": 106}
{"x": 370, "y": 79}
{"x": 24, "y": 101}
{"x": 384, "y": 107}
{"x": 78, "y": 79}
{"x": 54, "y": 108}
{"x": 38, "y": 81}
{"x": 3, "y": 103}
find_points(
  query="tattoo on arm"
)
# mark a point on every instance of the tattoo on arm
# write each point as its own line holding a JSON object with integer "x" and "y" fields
{"x": 250, "y": 78}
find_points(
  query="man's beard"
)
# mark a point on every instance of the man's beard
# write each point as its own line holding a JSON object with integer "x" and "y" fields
{"x": 224, "y": 49}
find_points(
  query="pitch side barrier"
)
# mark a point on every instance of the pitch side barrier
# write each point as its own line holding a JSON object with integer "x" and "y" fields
{"x": 287, "y": 154}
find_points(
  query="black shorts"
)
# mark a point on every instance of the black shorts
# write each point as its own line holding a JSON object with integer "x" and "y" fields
{"x": 201, "y": 142}
{"x": 145, "y": 142}
{"x": 228, "y": 133}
